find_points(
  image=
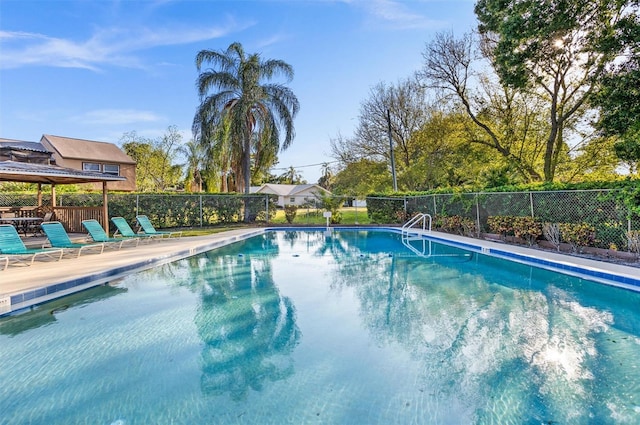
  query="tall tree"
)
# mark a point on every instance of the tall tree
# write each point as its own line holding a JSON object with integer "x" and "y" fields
{"x": 405, "y": 102}
{"x": 194, "y": 156}
{"x": 235, "y": 91}
{"x": 155, "y": 168}
{"x": 326, "y": 179}
{"x": 556, "y": 49}
{"x": 361, "y": 177}
{"x": 504, "y": 119}
{"x": 618, "y": 99}
{"x": 291, "y": 176}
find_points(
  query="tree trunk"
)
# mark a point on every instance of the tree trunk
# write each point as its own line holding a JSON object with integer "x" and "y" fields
{"x": 247, "y": 175}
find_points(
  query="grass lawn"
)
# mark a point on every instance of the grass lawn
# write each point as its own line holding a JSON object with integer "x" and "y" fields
{"x": 310, "y": 216}
{"x": 350, "y": 216}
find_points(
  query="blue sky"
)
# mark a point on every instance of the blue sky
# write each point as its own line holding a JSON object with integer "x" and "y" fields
{"x": 97, "y": 69}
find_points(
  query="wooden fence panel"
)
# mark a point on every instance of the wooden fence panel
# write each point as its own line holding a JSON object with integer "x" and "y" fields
{"x": 71, "y": 217}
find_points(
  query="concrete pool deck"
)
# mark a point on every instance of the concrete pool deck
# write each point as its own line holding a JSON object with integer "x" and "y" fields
{"x": 25, "y": 286}
{"x": 22, "y": 286}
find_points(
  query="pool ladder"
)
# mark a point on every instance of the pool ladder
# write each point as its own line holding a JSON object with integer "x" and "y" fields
{"x": 407, "y": 233}
{"x": 420, "y": 218}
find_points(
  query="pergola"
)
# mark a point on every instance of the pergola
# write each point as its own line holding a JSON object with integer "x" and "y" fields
{"x": 23, "y": 172}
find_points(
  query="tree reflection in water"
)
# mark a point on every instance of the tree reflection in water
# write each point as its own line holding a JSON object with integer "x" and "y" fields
{"x": 248, "y": 329}
{"x": 494, "y": 340}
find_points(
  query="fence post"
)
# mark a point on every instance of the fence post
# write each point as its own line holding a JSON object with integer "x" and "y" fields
{"x": 531, "y": 203}
{"x": 477, "y": 216}
{"x": 266, "y": 205}
{"x": 355, "y": 202}
{"x": 201, "y": 223}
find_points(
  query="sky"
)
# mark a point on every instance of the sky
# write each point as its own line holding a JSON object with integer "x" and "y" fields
{"x": 98, "y": 69}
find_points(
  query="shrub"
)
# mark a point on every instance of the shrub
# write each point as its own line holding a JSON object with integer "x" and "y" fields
{"x": 456, "y": 224}
{"x": 385, "y": 210}
{"x": 290, "y": 212}
{"x": 578, "y": 234}
{"x": 501, "y": 224}
{"x": 526, "y": 228}
{"x": 333, "y": 204}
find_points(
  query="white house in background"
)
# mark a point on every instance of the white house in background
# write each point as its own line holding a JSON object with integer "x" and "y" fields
{"x": 292, "y": 194}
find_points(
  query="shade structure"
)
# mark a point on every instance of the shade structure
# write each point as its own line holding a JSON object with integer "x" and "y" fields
{"x": 13, "y": 171}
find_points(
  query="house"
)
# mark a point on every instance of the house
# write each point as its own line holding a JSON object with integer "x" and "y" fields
{"x": 292, "y": 194}
{"x": 33, "y": 162}
{"x": 92, "y": 156}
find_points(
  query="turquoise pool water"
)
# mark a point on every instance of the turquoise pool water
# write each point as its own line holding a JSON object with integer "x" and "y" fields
{"x": 350, "y": 327}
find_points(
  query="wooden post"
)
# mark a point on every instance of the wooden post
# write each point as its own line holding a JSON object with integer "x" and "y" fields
{"x": 39, "y": 194}
{"x": 105, "y": 208}
{"x": 53, "y": 195}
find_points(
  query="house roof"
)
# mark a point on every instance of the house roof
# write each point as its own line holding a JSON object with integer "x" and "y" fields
{"x": 22, "y": 145}
{"x": 288, "y": 189}
{"x": 70, "y": 148}
{"x": 49, "y": 174}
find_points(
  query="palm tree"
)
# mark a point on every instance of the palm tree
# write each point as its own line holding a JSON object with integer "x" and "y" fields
{"x": 325, "y": 179}
{"x": 235, "y": 92}
{"x": 291, "y": 176}
{"x": 193, "y": 153}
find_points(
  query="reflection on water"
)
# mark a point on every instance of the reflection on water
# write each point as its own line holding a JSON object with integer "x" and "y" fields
{"x": 491, "y": 341}
{"x": 337, "y": 327}
{"x": 247, "y": 327}
{"x": 45, "y": 314}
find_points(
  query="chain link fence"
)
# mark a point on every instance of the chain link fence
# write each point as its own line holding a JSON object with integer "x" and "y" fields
{"x": 602, "y": 211}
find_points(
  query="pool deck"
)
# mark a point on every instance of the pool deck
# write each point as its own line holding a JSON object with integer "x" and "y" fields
{"x": 24, "y": 286}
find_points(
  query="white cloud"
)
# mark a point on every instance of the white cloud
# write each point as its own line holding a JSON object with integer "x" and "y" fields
{"x": 114, "y": 46}
{"x": 398, "y": 14}
{"x": 270, "y": 41}
{"x": 117, "y": 116}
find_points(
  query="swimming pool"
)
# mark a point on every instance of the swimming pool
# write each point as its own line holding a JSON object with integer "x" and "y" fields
{"x": 347, "y": 327}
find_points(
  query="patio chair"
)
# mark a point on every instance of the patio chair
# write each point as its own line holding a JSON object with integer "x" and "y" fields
{"x": 12, "y": 247}
{"x": 124, "y": 230}
{"x": 148, "y": 228}
{"x": 58, "y": 238}
{"x": 6, "y": 262}
{"x": 97, "y": 233}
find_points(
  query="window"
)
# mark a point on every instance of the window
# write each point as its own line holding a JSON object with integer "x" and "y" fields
{"x": 292, "y": 200}
{"x": 91, "y": 166}
{"x": 111, "y": 169}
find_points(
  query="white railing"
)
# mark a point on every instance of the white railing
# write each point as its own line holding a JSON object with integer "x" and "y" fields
{"x": 418, "y": 219}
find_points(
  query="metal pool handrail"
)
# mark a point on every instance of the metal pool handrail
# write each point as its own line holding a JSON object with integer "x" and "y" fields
{"x": 421, "y": 217}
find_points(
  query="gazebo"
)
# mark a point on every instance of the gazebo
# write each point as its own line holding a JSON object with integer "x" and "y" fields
{"x": 23, "y": 172}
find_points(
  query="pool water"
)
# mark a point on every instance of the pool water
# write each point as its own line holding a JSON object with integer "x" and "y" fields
{"x": 347, "y": 327}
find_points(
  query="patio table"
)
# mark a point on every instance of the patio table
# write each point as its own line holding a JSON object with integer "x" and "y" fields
{"x": 23, "y": 224}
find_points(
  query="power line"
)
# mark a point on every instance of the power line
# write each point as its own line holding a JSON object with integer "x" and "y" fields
{"x": 305, "y": 166}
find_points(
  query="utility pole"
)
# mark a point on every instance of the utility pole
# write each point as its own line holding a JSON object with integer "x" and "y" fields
{"x": 393, "y": 160}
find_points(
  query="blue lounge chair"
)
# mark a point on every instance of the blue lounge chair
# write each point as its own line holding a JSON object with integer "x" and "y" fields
{"x": 125, "y": 231}
{"x": 97, "y": 233}
{"x": 148, "y": 228}
{"x": 12, "y": 247}
{"x": 58, "y": 238}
